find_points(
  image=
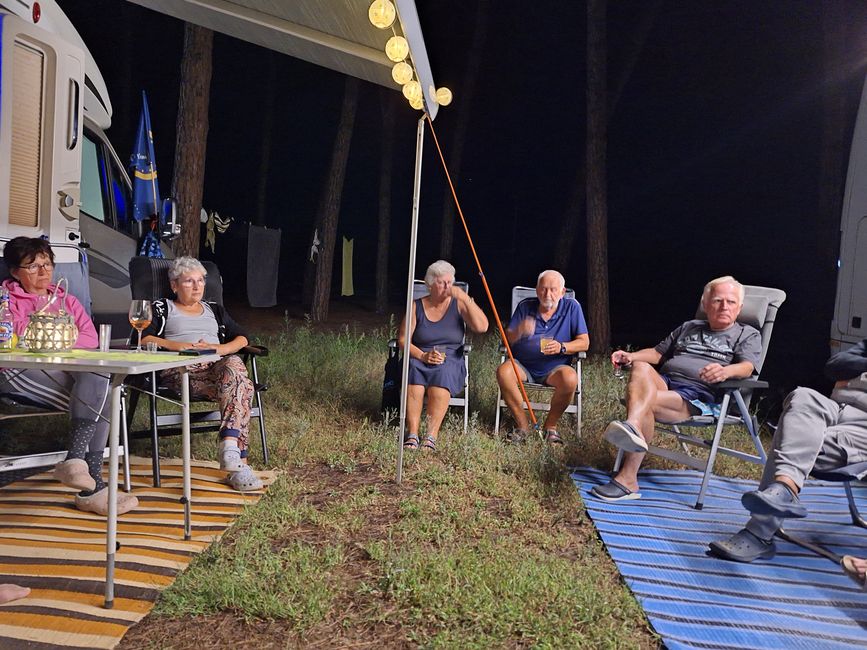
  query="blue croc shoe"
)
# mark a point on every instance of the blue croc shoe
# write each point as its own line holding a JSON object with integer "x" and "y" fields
{"x": 776, "y": 500}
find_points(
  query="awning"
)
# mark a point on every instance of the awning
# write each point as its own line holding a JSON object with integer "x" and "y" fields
{"x": 335, "y": 34}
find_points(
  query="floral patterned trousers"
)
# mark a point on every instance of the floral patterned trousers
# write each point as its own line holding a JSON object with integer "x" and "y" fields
{"x": 224, "y": 381}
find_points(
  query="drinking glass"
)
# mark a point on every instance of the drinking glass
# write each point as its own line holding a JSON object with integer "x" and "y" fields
{"x": 543, "y": 343}
{"x": 140, "y": 317}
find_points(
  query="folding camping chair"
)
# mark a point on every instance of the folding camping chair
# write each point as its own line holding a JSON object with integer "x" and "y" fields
{"x": 420, "y": 290}
{"x": 14, "y": 407}
{"x": 149, "y": 280}
{"x": 519, "y": 294}
{"x": 760, "y": 311}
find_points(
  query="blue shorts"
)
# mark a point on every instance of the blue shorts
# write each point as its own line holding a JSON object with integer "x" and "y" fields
{"x": 702, "y": 401}
{"x": 534, "y": 378}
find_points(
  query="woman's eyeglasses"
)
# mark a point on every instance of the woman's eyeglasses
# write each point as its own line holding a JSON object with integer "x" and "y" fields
{"x": 189, "y": 282}
{"x": 34, "y": 268}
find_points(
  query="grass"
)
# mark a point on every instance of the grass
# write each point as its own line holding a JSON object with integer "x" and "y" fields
{"x": 482, "y": 545}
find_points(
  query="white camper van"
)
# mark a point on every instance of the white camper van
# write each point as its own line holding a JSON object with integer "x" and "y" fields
{"x": 60, "y": 178}
{"x": 850, "y": 311}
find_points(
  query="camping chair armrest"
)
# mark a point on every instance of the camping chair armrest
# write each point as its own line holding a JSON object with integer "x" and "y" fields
{"x": 749, "y": 382}
{"x": 255, "y": 350}
{"x": 392, "y": 344}
{"x": 468, "y": 347}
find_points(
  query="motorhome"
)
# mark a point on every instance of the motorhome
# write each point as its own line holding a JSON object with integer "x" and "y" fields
{"x": 850, "y": 311}
{"x": 60, "y": 178}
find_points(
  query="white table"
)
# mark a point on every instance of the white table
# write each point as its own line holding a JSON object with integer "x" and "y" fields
{"x": 118, "y": 364}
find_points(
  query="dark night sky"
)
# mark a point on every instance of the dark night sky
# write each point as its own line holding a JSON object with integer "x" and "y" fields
{"x": 713, "y": 159}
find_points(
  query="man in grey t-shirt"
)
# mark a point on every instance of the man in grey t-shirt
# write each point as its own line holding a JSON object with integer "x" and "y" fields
{"x": 690, "y": 360}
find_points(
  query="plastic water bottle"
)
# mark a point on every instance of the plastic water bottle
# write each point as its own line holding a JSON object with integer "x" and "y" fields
{"x": 7, "y": 327}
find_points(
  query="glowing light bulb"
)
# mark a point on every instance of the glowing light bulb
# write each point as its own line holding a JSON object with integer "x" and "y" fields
{"x": 381, "y": 13}
{"x": 401, "y": 73}
{"x": 396, "y": 48}
{"x": 444, "y": 96}
{"x": 417, "y": 104}
{"x": 412, "y": 91}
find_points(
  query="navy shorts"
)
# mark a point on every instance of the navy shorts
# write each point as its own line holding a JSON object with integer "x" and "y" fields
{"x": 700, "y": 398}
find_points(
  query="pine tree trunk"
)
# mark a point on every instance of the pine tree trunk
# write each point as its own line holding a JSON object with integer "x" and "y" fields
{"x": 261, "y": 218}
{"x": 192, "y": 135}
{"x": 456, "y": 152}
{"x": 578, "y": 197}
{"x": 329, "y": 206}
{"x": 385, "y": 175}
{"x": 597, "y": 196}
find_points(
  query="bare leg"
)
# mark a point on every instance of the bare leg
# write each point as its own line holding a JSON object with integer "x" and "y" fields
{"x": 414, "y": 399}
{"x": 9, "y": 592}
{"x": 511, "y": 392}
{"x": 437, "y": 403}
{"x": 647, "y": 400}
{"x": 564, "y": 381}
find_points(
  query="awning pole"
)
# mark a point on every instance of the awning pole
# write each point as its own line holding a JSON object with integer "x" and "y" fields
{"x": 410, "y": 277}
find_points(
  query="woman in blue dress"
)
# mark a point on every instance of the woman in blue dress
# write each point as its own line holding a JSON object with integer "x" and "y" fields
{"x": 436, "y": 367}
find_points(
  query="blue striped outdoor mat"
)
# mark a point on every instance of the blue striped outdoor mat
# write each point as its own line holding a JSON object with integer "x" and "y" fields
{"x": 693, "y": 600}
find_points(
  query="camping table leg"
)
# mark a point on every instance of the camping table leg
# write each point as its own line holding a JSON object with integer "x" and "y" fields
{"x": 185, "y": 444}
{"x": 111, "y": 534}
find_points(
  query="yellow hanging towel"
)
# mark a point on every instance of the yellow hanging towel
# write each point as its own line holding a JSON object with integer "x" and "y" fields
{"x": 347, "y": 289}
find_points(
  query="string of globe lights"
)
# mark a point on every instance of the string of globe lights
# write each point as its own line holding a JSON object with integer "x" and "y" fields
{"x": 382, "y": 14}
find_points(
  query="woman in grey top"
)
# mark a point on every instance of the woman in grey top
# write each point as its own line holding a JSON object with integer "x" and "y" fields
{"x": 189, "y": 322}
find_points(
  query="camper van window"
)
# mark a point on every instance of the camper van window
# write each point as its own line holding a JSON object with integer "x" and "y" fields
{"x": 122, "y": 203}
{"x": 92, "y": 180}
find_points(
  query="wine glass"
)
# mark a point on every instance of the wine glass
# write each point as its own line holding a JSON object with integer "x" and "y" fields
{"x": 140, "y": 317}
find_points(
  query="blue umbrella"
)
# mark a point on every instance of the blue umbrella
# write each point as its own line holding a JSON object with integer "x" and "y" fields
{"x": 146, "y": 189}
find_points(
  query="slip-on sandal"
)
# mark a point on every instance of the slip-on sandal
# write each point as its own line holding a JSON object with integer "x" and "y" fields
{"x": 74, "y": 473}
{"x": 245, "y": 480}
{"x": 849, "y": 568}
{"x": 230, "y": 459}
{"x": 98, "y": 502}
{"x": 776, "y": 500}
{"x": 429, "y": 444}
{"x": 624, "y": 436}
{"x": 411, "y": 441}
{"x": 552, "y": 437}
{"x": 743, "y": 546}
{"x": 614, "y": 491}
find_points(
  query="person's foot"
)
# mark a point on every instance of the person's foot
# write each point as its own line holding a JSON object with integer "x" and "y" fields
{"x": 10, "y": 592}
{"x": 553, "y": 438}
{"x": 74, "y": 473}
{"x": 855, "y": 568}
{"x": 776, "y": 500}
{"x": 411, "y": 441}
{"x": 230, "y": 458}
{"x": 429, "y": 444}
{"x": 614, "y": 491}
{"x": 623, "y": 435}
{"x": 517, "y": 436}
{"x": 743, "y": 546}
{"x": 98, "y": 502}
{"x": 245, "y": 480}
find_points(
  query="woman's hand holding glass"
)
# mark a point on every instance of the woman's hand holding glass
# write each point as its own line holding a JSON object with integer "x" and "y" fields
{"x": 435, "y": 356}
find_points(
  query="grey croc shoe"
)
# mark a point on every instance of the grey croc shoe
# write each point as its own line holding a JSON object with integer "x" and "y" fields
{"x": 743, "y": 546}
{"x": 245, "y": 480}
{"x": 776, "y": 500}
{"x": 614, "y": 491}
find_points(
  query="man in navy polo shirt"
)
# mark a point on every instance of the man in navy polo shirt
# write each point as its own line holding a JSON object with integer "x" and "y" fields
{"x": 544, "y": 333}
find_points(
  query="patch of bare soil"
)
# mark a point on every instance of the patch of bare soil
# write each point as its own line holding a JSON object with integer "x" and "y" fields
{"x": 325, "y": 486}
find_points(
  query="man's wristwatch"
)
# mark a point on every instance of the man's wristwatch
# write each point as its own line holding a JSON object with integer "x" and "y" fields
{"x": 562, "y": 348}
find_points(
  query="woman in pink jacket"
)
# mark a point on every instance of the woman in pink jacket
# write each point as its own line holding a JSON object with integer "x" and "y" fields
{"x": 85, "y": 395}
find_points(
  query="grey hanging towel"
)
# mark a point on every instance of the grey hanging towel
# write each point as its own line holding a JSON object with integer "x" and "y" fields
{"x": 263, "y": 265}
